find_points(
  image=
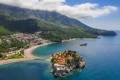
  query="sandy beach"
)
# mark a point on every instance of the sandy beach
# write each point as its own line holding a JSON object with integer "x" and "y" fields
{"x": 27, "y": 55}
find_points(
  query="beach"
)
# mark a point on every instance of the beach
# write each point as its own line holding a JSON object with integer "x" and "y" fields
{"x": 27, "y": 55}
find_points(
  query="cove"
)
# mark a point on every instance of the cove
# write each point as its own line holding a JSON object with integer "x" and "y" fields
{"x": 101, "y": 55}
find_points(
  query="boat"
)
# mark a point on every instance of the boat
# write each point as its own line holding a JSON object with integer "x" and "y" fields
{"x": 84, "y": 44}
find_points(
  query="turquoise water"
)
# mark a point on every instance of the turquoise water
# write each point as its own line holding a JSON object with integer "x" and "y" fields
{"x": 102, "y": 57}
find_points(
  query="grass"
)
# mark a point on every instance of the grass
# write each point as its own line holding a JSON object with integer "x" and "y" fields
{"x": 15, "y": 56}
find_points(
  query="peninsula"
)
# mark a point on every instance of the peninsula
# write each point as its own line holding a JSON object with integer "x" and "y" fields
{"x": 66, "y": 62}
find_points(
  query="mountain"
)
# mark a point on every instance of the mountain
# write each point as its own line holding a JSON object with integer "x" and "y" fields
{"x": 15, "y": 19}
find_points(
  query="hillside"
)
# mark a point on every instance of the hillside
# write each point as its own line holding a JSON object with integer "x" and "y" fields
{"x": 51, "y": 31}
{"x": 14, "y": 19}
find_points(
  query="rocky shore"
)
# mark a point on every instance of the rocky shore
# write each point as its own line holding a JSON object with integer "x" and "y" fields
{"x": 63, "y": 63}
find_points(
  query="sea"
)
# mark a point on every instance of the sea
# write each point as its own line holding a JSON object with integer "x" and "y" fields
{"x": 102, "y": 56}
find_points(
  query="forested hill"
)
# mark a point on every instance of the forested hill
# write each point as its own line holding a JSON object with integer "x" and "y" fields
{"x": 14, "y": 19}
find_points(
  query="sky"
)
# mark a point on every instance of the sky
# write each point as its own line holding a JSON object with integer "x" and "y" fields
{"x": 108, "y": 22}
{"x": 102, "y": 14}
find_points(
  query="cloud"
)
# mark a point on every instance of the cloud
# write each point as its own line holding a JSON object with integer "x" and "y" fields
{"x": 77, "y": 11}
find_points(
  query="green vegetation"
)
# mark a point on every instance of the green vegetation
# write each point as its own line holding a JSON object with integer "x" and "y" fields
{"x": 14, "y": 56}
{"x": 63, "y": 34}
{"x": 73, "y": 54}
{"x": 2, "y": 56}
{"x": 54, "y": 32}
{"x": 10, "y": 45}
{"x": 3, "y": 31}
{"x": 51, "y": 31}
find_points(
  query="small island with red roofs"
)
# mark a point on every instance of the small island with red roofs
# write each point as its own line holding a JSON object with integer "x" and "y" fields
{"x": 63, "y": 63}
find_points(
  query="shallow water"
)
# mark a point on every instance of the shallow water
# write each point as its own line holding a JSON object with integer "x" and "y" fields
{"x": 101, "y": 55}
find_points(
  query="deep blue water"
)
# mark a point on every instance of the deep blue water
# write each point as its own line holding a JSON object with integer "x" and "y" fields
{"x": 102, "y": 57}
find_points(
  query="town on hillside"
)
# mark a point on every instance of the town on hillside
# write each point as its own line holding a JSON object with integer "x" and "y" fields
{"x": 15, "y": 44}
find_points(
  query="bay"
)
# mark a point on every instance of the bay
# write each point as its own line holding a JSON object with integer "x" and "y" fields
{"x": 102, "y": 58}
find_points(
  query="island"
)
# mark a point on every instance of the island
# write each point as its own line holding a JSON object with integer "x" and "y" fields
{"x": 66, "y": 62}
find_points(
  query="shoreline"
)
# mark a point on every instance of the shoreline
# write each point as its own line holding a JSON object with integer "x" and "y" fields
{"x": 68, "y": 40}
{"x": 28, "y": 55}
